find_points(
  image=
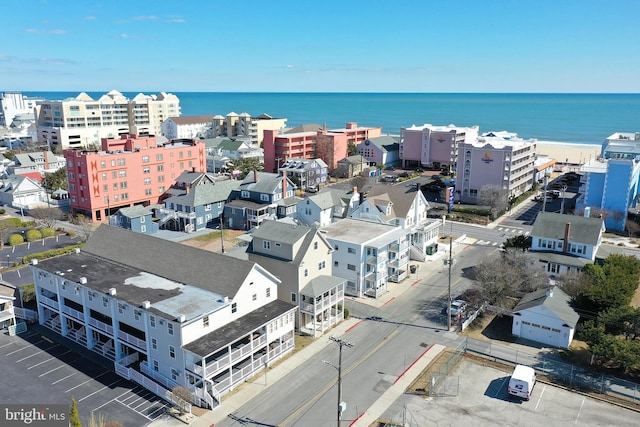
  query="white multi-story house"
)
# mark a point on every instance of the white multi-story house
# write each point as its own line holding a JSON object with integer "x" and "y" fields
{"x": 301, "y": 258}
{"x": 499, "y": 159}
{"x": 42, "y": 162}
{"x": 186, "y": 126}
{"x": 7, "y": 313}
{"x": 307, "y": 173}
{"x": 327, "y": 206}
{"x": 83, "y": 121}
{"x": 566, "y": 243}
{"x": 368, "y": 254}
{"x": 166, "y": 314}
{"x": 407, "y": 208}
{"x": 21, "y": 192}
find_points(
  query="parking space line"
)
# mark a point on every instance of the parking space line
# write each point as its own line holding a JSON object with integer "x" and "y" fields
{"x": 48, "y": 372}
{"x": 89, "y": 380}
{"x": 98, "y": 391}
{"x": 540, "y": 398}
{"x": 23, "y": 348}
{"x": 580, "y": 410}
{"x": 64, "y": 378}
{"x": 164, "y": 406}
{"x": 45, "y": 361}
{"x": 9, "y": 343}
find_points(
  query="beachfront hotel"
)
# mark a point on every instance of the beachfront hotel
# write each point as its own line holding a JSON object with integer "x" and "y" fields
{"x": 497, "y": 159}
{"x": 82, "y": 122}
{"x": 611, "y": 182}
{"x": 433, "y": 146}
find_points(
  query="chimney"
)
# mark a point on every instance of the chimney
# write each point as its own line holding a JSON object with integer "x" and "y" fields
{"x": 193, "y": 169}
{"x": 255, "y": 176}
{"x": 284, "y": 184}
{"x": 46, "y": 159}
{"x": 567, "y": 235}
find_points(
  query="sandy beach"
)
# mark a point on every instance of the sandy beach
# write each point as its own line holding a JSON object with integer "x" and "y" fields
{"x": 568, "y": 153}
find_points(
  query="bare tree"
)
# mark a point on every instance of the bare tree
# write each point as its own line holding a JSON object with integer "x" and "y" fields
{"x": 183, "y": 398}
{"x": 494, "y": 196}
{"x": 85, "y": 226}
{"x": 574, "y": 283}
{"x": 5, "y": 228}
{"x": 47, "y": 217}
{"x": 492, "y": 277}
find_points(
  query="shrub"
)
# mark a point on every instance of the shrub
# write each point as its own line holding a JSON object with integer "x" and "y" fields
{"x": 15, "y": 222}
{"x": 47, "y": 232}
{"x": 71, "y": 233}
{"x": 34, "y": 235}
{"x": 15, "y": 239}
{"x": 28, "y": 293}
{"x": 2, "y": 211}
{"x": 49, "y": 254}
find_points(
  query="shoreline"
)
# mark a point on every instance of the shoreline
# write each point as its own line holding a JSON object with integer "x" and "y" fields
{"x": 566, "y": 152}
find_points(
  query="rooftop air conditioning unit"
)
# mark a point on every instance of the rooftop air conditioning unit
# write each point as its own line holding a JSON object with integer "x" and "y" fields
{"x": 112, "y": 291}
{"x": 146, "y": 304}
{"x": 182, "y": 318}
{"x": 83, "y": 280}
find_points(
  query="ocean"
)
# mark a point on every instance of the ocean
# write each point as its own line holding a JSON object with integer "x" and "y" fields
{"x": 563, "y": 118}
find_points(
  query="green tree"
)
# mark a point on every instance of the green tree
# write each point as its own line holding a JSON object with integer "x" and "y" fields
{"x": 55, "y": 180}
{"x": 247, "y": 165}
{"x": 74, "y": 415}
{"x": 351, "y": 149}
{"x": 623, "y": 321}
{"x": 520, "y": 242}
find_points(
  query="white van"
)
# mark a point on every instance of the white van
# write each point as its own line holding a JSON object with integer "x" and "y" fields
{"x": 522, "y": 381}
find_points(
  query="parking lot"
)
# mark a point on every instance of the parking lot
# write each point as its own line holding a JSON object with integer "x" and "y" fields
{"x": 37, "y": 369}
{"x": 477, "y": 395}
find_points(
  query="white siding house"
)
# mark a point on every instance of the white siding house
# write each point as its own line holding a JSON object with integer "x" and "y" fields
{"x": 166, "y": 314}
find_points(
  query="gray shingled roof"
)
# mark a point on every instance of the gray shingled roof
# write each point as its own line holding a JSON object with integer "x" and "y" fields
{"x": 386, "y": 142}
{"x": 237, "y": 329}
{"x": 173, "y": 261}
{"x": 281, "y": 232}
{"x": 321, "y": 284}
{"x": 584, "y": 230}
{"x": 557, "y": 302}
{"x": 267, "y": 182}
{"x": 203, "y": 194}
{"x": 135, "y": 211}
{"x": 400, "y": 195}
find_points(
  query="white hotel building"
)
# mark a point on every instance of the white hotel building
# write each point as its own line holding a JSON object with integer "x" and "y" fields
{"x": 166, "y": 314}
{"x": 82, "y": 122}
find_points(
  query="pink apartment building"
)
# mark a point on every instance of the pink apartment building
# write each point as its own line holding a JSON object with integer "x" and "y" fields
{"x": 433, "y": 146}
{"x": 328, "y": 145}
{"x": 129, "y": 171}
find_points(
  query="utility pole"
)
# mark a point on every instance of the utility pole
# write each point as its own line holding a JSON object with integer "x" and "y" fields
{"x": 450, "y": 263}
{"x": 222, "y": 231}
{"x": 341, "y": 344}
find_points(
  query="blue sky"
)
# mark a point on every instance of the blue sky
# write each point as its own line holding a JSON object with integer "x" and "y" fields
{"x": 321, "y": 46}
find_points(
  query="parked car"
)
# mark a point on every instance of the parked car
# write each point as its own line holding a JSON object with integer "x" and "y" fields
{"x": 419, "y": 170}
{"x": 553, "y": 193}
{"x": 543, "y": 198}
{"x": 312, "y": 189}
{"x": 458, "y": 307}
{"x": 403, "y": 174}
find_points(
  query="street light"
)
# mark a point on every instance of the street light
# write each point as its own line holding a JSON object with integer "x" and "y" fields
{"x": 341, "y": 343}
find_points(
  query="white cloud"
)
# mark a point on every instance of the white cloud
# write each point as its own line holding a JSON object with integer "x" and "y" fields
{"x": 145, "y": 18}
{"x": 90, "y": 18}
{"x": 40, "y": 31}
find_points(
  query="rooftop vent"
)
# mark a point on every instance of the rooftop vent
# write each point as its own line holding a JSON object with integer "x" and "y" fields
{"x": 83, "y": 280}
{"x": 112, "y": 291}
{"x": 182, "y": 318}
{"x": 34, "y": 262}
{"x": 146, "y": 304}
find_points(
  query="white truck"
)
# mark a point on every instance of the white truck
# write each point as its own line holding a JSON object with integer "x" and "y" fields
{"x": 522, "y": 381}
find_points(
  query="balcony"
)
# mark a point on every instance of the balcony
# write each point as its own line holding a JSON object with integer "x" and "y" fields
{"x": 101, "y": 326}
{"x": 50, "y": 302}
{"x": 223, "y": 362}
{"x": 128, "y": 338}
{"x": 73, "y": 313}
{"x": 324, "y": 302}
{"x": 178, "y": 214}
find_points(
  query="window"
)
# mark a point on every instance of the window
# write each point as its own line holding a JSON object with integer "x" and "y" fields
{"x": 306, "y": 272}
{"x": 351, "y": 267}
{"x": 122, "y": 173}
{"x": 146, "y": 169}
{"x": 104, "y": 175}
{"x": 172, "y": 352}
{"x": 315, "y": 245}
{"x": 294, "y": 297}
{"x": 266, "y": 244}
{"x": 160, "y": 168}
{"x": 254, "y": 297}
{"x": 121, "y": 162}
{"x": 205, "y": 321}
{"x": 154, "y": 343}
{"x": 123, "y": 184}
{"x": 159, "y": 157}
{"x": 137, "y": 314}
{"x": 161, "y": 178}
{"x": 351, "y": 250}
{"x": 103, "y": 164}
{"x": 321, "y": 265}
{"x": 121, "y": 308}
{"x": 234, "y": 307}
{"x": 152, "y": 321}
{"x": 336, "y": 264}
{"x": 105, "y": 301}
{"x": 207, "y": 207}
{"x": 268, "y": 292}
{"x": 155, "y": 365}
{"x": 147, "y": 192}
{"x": 145, "y": 159}
{"x": 174, "y": 374}
{"x": 143, "y": 228}
{"x": 170, "y": 328}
